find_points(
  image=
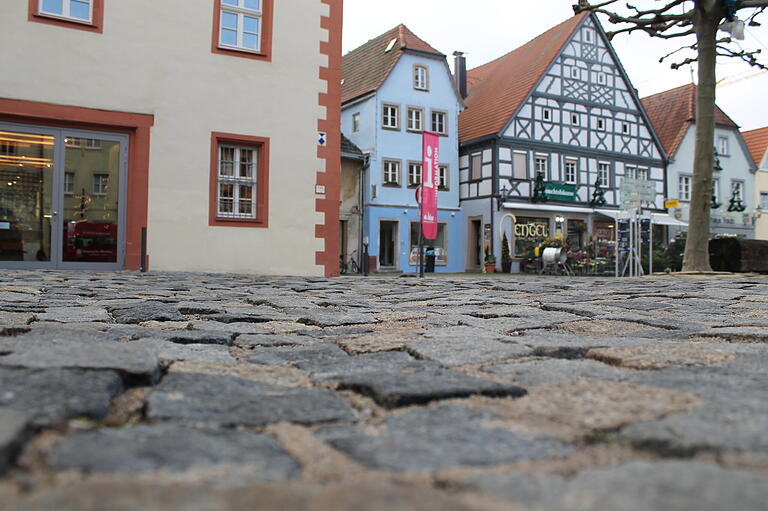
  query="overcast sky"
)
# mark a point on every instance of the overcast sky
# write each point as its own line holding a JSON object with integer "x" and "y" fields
{"x": 487, "y": 29}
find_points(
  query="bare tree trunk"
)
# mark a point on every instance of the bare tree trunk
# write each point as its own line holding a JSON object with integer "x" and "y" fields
{"x": 696, "y": 257}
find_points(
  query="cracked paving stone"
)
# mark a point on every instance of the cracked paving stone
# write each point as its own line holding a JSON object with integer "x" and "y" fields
{"x": 13, "y": 430}
{"x": 284, "y": 354}
{"x": 212, "y": 353}
{"x": 551, "y": 371}
{"x": 50, "y": 395}
{"x": 75, "y": 315}
{"x": 420, "y": 382}
{"x": 659, "y": 356}
{"x": 146, "y": 311}
{"x": 464, "y": 351}
{"x": 637, "y": 486}
{"x": 230, "y": 401}
{"x": 171, "y": 448}
{"x": 441, "y": 437}
{"x": 271, "y": 340}
{"x": 52, "y": 348}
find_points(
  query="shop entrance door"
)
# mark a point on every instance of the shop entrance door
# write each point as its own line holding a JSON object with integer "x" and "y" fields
{"x": 62, "y": 203}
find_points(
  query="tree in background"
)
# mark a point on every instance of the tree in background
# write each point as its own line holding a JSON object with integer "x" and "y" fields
{"x": 702, "y": 20}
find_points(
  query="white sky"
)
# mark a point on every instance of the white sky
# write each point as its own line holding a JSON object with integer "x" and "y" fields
{"x": 487, "y": 29}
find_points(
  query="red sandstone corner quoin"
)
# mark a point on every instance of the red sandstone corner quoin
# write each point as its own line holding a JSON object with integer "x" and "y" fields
{"x": 331, "y": 152}
{"x": 137, "y": 126}
{"x": 96, "y": 24}
{"x": 262, "y": 180}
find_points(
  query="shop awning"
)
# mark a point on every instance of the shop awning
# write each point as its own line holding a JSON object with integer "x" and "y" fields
{"x": 657, "y": 218}
{"x": 547, "y": 207}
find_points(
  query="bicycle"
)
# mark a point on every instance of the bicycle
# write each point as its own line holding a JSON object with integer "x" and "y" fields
{"x": 349, "y": 266}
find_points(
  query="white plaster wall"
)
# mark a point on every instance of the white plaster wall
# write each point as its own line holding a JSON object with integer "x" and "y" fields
{"x": 155, "y": 57}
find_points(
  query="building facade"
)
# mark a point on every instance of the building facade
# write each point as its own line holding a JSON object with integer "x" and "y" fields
{"x": 548, "y": 160}
{"x": 757, "y": 142}
{"x": 395, "y": 87}
{"x": 218, "y": 137}
{"x": 673, "y": 114}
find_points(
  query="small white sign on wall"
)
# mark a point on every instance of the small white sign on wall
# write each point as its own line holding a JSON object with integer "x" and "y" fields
{"x": 320, "y": 189}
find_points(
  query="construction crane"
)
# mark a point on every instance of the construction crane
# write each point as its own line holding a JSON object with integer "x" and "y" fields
{"x": 734, "y": 79}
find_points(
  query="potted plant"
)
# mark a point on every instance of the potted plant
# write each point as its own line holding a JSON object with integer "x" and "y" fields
{"x": 490, "y": 262}
{"x": 506, "y": 255}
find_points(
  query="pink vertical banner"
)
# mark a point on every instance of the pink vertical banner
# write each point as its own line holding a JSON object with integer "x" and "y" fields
{"x": 430, "y": 168}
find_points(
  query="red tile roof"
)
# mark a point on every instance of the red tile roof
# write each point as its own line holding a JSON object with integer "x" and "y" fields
{"x": 757, "y": 143}
{"x": 672, "y": 112}
{"x": 365, "y": 68}
{"x": 497, "y": 89}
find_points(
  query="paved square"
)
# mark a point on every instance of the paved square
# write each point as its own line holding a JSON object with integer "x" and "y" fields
{"x": 209, "y": 392}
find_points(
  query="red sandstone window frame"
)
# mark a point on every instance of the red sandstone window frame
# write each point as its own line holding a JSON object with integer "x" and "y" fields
{"x": 261, "y": 145}
{"x": 95, "y": 25}
{"x": 265, "y": 51}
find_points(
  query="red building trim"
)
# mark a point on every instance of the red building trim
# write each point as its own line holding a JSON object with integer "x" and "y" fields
{"x": 330, "y": 177}
{"x": 96, "y": 24}
{"x": 268, "y": 11}
{"x": 262, "y": 180}
{"x": 137, "y": 126}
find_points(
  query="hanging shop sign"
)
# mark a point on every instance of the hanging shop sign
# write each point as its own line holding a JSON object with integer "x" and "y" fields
{"x": 560, "y": 191}
{"x": 672, "y": 203}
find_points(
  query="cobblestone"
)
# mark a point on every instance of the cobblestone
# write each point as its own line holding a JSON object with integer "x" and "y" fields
{"x": 203, "y": 391}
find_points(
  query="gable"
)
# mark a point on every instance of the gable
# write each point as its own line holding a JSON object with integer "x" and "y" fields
{"x": 584, "y": 99}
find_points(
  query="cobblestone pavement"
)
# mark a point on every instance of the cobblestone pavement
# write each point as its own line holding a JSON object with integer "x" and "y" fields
{"x": 202, "y": 392}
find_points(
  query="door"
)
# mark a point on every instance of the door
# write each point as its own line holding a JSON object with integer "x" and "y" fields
{"x": 64, "y": 202}
{"x": 387, "y": 241}
{"x": 475, "y": 243}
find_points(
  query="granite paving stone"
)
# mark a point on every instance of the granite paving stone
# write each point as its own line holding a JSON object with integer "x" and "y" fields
{"x": 172, "y": 448}
{"x": 284, "y": 354}
{"x": 75, "y": 314}
{"x": 637, "y": 486}
{"x": 551, "y": 371}
{"x": 458, "y": 352}
{"x": 229, "y": 401}
{"x": 168, "y": 350}
{"x": 49, "y": 395}
{"x": 50, "y": 348}
{"x": 253, "y": 340}
{"x": 146, "y": 311}
{"x": 439, "y": 438}
{"x": 13, "y": 429}
{"x": 327, "y": 317}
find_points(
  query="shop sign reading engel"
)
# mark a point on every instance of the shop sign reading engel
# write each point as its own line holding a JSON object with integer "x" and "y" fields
{"x": 526, "y": 231}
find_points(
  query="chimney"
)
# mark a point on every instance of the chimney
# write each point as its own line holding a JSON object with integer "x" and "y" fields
{"x": 460, "y": 72}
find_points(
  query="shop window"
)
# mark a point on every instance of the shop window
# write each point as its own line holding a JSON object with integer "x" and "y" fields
{"x": 439, "y": 244}
{"x": 239, "y": 175}
{"x": 243, "y": 28}
{"x": 78, "y": 14}
{"x": 529, "y": 233}
{"x": 577, "y": 234}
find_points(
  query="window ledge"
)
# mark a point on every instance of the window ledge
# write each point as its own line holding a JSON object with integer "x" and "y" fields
{"x": 390, "y": 128}
{"x": 391, "y": 185}
{"x": 237, "y": 222}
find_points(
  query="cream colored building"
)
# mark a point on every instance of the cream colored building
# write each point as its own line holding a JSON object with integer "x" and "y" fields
{"x": 757, "y": 141}
{"x": 212, "y": 124}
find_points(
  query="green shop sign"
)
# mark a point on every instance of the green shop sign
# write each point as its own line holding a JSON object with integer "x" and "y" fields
{"x": 560, "y": 191}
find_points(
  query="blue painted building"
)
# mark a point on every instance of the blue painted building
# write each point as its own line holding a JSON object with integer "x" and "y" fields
{"x": 394, "y": 88}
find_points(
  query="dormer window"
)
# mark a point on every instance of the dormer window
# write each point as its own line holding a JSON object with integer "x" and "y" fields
{"x": 420, "y": 78}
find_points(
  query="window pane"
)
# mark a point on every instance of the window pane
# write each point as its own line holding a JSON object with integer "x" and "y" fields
{"x": 227, "y": 162}
{"x": 79, "y": 9}
{"x": 229, "y": 2}
{"x": 225, "y": 205}
{"x": 226, "y": 190}
{"x": 251, "y": 41}
{"x": 53, "y": 6}
{"x": 253, "y": 4}
{"x": 251, "y": 24}
{"x": 229, "y": 37}
{"x": 229, "y": 20}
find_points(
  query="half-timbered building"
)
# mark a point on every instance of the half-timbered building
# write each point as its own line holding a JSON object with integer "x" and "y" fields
{"x": 550, "y": 131}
